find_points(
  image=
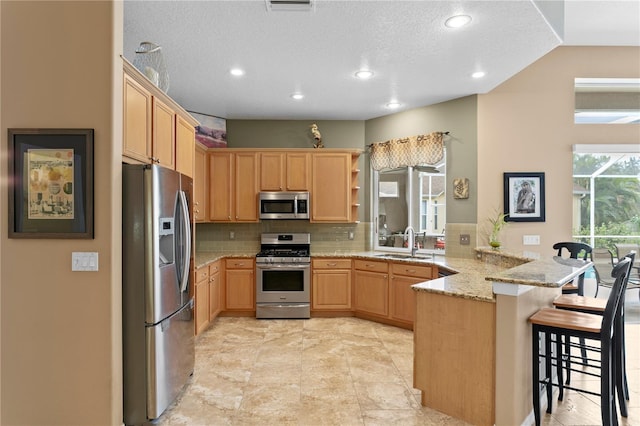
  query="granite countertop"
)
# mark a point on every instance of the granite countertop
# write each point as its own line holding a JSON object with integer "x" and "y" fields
{"x": 554, "y": 272}
{"x": 469, "y": 278}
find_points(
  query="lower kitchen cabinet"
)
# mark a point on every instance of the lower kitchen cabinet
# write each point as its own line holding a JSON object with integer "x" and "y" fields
{"x": 371, "y": 282}
{"x": 331, "y": 284}
{"x": 215, "y": 288}
{"x": 201, "y": 299}
{"x": 207, "y": 295}
{"x": 240, "y": 284}
{"x": 402, "y": 299}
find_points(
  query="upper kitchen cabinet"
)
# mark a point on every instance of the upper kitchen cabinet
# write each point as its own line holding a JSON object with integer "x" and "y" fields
{"x": 156, "y": 129}
{"x": 233, "y": 186}
{"x": 333, "y": 187}
{"x": 285, "y": 171}
{"x": 137, "y": 121}
{"x": 185, "y": 146}
{"x": 163, "y": 134}
{"x": 200, "y": 184}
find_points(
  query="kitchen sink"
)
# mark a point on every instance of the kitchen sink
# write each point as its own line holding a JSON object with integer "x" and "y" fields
{"x": 403, "y": 256}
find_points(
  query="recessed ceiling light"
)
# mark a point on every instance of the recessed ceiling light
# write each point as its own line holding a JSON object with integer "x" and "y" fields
{"x": 236, "y": 72}
{"x": 297, "y": 96}
{"x": 457, "y": 21}
{"x": 393, "y": 105}
{"x": 364, "y": 74}
{"x": 478, "y": 74}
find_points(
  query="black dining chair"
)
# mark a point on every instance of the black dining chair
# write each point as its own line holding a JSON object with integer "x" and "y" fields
{"x": 558, "y": 324}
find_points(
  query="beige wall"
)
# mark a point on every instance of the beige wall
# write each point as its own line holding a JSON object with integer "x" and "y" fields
{"x": 60, "y": 330}
{"x": 526, "y": 125}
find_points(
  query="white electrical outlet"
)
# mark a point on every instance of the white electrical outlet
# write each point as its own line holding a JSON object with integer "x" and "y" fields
{"x": 531, "y": 240}
{"x": 84, "y": 261}
{"x": 232, "y": 235}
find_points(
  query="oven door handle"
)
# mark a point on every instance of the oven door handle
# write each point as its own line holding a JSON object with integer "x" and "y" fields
{"x": 280, "y": 267}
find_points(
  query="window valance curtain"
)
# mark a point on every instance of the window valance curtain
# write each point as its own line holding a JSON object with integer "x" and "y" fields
{"x": 410, "y": 151}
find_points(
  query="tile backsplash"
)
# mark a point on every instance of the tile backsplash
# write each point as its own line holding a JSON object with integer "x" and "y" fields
{"x": 245, "y": 237}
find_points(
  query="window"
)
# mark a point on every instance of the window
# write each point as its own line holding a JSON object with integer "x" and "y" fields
{"x": 412, "y": 196}
{"x": 606, "y": 194}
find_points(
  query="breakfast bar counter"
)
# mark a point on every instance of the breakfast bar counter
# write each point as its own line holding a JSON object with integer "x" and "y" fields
{"x": 472, "y": 341}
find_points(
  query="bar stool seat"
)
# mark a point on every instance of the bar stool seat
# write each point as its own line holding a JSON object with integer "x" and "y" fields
{"x": 563, "y": 324}
{"x": 580, "y": 303}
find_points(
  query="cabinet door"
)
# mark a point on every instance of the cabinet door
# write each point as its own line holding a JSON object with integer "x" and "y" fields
{"x": 298, "y": 167}
{"x": 246, "y": 187}
{"x": 402, "y": 305}
{"x": 220, "y": 186}
{"x": 371, "y": 292}
{"x": 185, "y": 146}
{"x": 200, "y": 185}
{"x": 137, "y": 121}
{"x": 202, "y": 305}
{"x": 240, "y": 289}
{"x": 214, "y": 296}
{"x": 163, "y": 139}
{"x": 331, "y": 187}
{"x": 272, "y": 171}
{"x": 331, "y": 289}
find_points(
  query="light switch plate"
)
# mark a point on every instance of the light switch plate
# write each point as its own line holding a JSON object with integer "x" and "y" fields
{"x": 84, "y": 261}
{"x": 465, "y": 239}
{"x": 531, "y": 240}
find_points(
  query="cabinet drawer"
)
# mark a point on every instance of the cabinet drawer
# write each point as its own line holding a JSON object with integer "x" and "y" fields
{"x": 214, "y": 267}
{"x": 239, "y": 264}
{"x": 331, "y": 263}
{"x": 202, "y": 274}
{"x": 371, "y": 265}
{"x": 412, "y": 270}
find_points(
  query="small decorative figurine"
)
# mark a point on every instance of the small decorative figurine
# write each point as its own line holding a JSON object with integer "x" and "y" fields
{"x": 317, "y": 136}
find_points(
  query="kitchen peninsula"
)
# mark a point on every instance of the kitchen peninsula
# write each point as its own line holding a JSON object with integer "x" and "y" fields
{"x": 472, "y": 357}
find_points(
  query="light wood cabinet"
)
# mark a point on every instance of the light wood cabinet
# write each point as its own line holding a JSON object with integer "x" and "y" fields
{"x": 240, "y": 286}
{"x": 201, "y": 299}
{"x": 331, "y": 284}
{"x": 163, "y": 134}
{"x": 185, "y": 146}
{"x": 331, "y": 187}
{"x": 215, "y": 288}
{"x": 371, "y": 287}
{"x": 233, "y": 186}
{"x": 137, "y": 121}
{"x": 200, "y": 184}
{"x": 355, "y": 188}
{"x": 155, "y": 128}
{"x": 285, "y": 171}
{"x": 402, "y": 299}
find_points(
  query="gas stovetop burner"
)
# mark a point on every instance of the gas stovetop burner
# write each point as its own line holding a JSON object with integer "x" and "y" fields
{"x": 284, "y": 248}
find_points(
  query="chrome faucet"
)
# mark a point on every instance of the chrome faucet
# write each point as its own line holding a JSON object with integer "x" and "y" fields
{"x": 411, "y": 240}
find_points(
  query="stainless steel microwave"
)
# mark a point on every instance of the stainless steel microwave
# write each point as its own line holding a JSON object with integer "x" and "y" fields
{"x": 284, "y": 205}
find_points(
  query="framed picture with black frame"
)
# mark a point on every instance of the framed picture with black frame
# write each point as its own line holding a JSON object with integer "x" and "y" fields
{"x": 51, "y": 183}
{"x": 524, "y": 197}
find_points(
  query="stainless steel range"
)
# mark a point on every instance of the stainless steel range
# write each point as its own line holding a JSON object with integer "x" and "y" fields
{"x": 283, "y": 276}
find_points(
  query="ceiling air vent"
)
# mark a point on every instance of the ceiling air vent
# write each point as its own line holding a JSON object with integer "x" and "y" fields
{"x": 290, "y": 5}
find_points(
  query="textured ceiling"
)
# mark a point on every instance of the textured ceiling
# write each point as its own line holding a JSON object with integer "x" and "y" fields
{"x": 416, "y": 59}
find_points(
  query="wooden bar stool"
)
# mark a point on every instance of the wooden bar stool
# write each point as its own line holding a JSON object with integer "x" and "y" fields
{"x": 597, "y": 306}
{"x": 563, "y": 324}
{"x": 576, "y": 250}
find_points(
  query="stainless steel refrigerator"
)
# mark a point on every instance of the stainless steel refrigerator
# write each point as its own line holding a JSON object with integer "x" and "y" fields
{"x": 158, "y": 329}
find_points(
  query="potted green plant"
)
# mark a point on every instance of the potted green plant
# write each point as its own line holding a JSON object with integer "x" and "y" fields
{"x": 497, "y": 222}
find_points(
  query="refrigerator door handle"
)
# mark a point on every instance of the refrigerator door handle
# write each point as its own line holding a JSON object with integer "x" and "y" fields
{"x": 186, "y": 227}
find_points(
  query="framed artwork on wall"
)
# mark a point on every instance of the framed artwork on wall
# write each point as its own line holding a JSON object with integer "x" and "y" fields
{"x": 524, "y": 197}
{"x": 212, "y": 131}
{"x": 50, "y": 183}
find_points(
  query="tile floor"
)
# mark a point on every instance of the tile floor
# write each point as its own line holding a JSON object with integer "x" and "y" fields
{"x": 338, "y": 371}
